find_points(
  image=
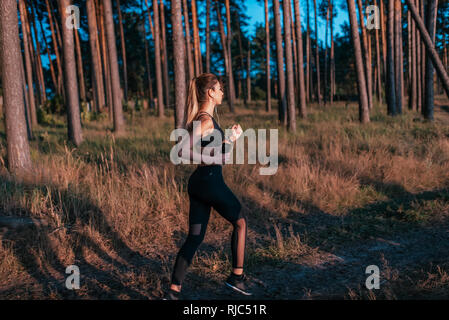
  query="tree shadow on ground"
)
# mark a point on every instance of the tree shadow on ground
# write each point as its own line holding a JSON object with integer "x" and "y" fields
{"x": 37, "y": 250}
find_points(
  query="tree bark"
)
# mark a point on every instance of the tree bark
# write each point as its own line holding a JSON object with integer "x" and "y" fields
{"x": 267, "y": 50}
{"x": 228, "y": 41}
{"x": 289, "y": 66}
{"x": 123, "y": 45}
{"x": 18, "y": 151}
{"x": 119, "y": 123}
{"x": 98, "y": 86}
{"x": 157, "y": 49}
{"x": 378, "y": 77}
{"x": 225, "y": 55}
{"x": 208, "y": 36}
{"x": 80, "y": 66}
{"x": 28, "y": 68}
{"x": 196, "y": 39}
{"x": 367, "y": 64}
{"x": 190, "y": 63}
{"x": 398, "y": 56}
{"x": 391, "y": 61}
{"x": 361, "y": 84}
{"x": 302, "y": 94}
{"x": 248, "y": 73}
{"x": 413, "y": 84}
{"x": 164, "y": 56}
{"x": 56, "y": 48}
{"x": 427, "y": 110}
{"x": 282, "y": 99}
{"x": 72, "y": 99}
{"x": 178, "y": 63}
{"x": 317, "y": 57}
{"x": 430, "y": 48}
{"x": 308, "y": 55}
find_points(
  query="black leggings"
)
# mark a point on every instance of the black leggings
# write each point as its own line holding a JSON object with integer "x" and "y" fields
{"x": 206, "y": 189}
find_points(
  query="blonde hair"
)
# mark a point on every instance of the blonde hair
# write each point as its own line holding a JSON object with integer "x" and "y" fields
{"x": 197, "y": 95}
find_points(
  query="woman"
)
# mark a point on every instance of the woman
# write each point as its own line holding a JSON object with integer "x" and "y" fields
{"x": 206, "y": 187}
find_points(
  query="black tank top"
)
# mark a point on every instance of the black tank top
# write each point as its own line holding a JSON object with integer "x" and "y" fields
{"x": 205, "y": 142}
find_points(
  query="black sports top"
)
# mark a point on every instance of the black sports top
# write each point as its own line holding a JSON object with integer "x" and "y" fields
{"x": 209, "y": 142}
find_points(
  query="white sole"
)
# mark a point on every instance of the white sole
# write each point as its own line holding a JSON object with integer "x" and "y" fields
{"x": 239, "y": 290}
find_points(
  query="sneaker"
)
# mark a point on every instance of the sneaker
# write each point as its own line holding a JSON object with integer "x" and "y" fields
{"x": 172, "y": 295}
{"x": 238, "y": 283}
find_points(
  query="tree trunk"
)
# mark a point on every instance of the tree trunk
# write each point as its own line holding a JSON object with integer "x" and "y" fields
{"x": 106, "y": 68}
{"x": 229, "y": 40}
{"x": 98, "y": 86}
{"x": 430, "y": 48}
{"x": 325, "y": 55}
{"x": 302, "y": 94}
{"x": 119, "y": 123}
{"x": 190, "y": 63}
{"x": 248, "y": 73}
{"x": 47, "y": 49}
{"x": 80, "y": 66}
{"x": 40, "y": 72}
{"x": 196, "y": 39}
{"x": 56, "y": 48}
{"x": 367, "y": 64}
{"x": 164, "y": 56}
{"x": 398, "y": 56}
{"x": 317, "y": 58}
{"x": 378, "y": 77}
{"x": 361, "y": 85}
{"x": 427, "y": 110}
{"x": 267, "y": 50}
{"x": 157, "y": 49}
{"x": 282, "y": 99}
{"x": 28, "y": 68}
{"x": 147, "y": 58}
{"x": 123, "y": 45}
{"x": 332, "y": 61}
{"x": 391, "y": 63}
{"x": 308, "y": 55}
{"x": 289, "y": 66}
{"x": 19, "y": 160}
{"x": 208, "y": 36}
{"x": 72, "y": 99}
{"x": 225, "y": 55}
{"x": 178, "y": 63}
{"x": 413, "y": 84}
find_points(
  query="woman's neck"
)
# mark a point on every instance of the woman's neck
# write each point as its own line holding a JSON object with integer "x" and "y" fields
{"x": 208, "y": 107}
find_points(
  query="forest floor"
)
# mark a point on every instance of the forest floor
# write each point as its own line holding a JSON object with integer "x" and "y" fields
{"x": 345, "y": 196}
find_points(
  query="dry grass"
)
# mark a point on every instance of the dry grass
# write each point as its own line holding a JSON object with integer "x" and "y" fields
{"x": 119, "y": 205}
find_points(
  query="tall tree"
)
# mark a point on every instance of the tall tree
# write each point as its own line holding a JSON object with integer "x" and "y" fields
{"x": 19, "y": 160}
{"x": 289, "y": 66}
{"x": 267, "y": 50}
{"x": 398, "y": 56}
{"x": 302, "y": 93}
{"x": 427, "y": 110}
{"x": 122, "y": 43}
{"x": 317, "y": 57}
{"x": 225, "y": 55}
{"x": 71, "y": 83}
{"x": 207, "y": 36}
{"x": 190, "y": 64}
{"x": 28, "y": 67}
{"x": 413, "y": 84}
{"x": 437, "y": 64}
{"x": 97, "y": 78}
{"x": 391, "y": 95}
{"x": 178, "y": 63}
{"x": 248, "y": 72}
{"x": 55, "y": 46}
{"x": 228, "y": 43}
{"x": 119, "y": 122}
{"x": 280, "y": 64}
{"x": 164, "y": 56}
{"x": 365, "y": 48}
{"x": 361, "y": 84}
{"x": 196, "y": 39}
{"x": 80, "y": 66}
{"x": 157, "y": 54}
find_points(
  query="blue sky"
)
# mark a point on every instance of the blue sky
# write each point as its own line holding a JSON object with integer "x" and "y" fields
{"x": 256, "y": 12}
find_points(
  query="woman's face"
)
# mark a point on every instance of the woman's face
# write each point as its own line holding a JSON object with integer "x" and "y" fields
{"x": 217, "y": 93}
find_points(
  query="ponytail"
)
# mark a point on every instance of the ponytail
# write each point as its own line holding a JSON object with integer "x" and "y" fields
{"x": 197, "y": 95}
{"x": 191, "y": 105}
